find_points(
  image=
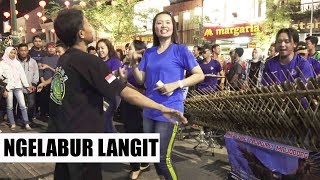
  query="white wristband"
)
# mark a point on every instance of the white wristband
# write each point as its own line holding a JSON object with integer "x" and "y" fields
{"x": 180, "y": 84}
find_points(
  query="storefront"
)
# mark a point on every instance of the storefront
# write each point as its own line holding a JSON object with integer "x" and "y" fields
{"x": 233, "y": 36}
{"x": 304, "y": 26}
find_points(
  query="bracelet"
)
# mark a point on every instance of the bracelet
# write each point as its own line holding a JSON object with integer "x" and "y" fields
{"x": 180, "y": 84}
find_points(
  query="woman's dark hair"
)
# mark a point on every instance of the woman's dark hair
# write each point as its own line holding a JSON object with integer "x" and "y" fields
{"x": 292, "y": 34}
{"x": 67, "y": 25}
{"x": 174, "y": 37}
{"x": 111, "y": 51}
{"x": 120, "y": 51}
{"x": 139, "y": 45}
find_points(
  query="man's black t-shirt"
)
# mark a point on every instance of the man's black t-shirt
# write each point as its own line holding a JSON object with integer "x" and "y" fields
{"x": 235, "y": 69}
{"x": 77, "y": 90}
{"x": 253, "y": 73}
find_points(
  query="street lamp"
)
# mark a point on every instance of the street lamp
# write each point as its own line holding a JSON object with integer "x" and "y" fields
{"x": 26, "y": 16}
{"x": 42, "y": 4}
{"x": 39, "y": 14}
{"x": 33, "y": 30}
{"x": 6, "y": 14}
{"x": 67, "y": 3}
{"x": 43, "y": 18}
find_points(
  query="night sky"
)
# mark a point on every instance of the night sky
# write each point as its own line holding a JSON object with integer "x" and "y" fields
{"x": 23, "y": 6}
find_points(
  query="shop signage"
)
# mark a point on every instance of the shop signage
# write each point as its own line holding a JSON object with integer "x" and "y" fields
{"x": 144, "y": 38}
{"x": 252, "y": 45}
{"x": 238, "y": 30}
{"x": 304, "y": 26}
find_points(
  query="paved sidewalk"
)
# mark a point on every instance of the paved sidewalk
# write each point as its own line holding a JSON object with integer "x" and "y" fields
{"x": 189, "y": 164}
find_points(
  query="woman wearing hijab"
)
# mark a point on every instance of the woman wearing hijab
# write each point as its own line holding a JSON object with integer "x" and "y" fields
{"x": 12, "y": 71}
{"x": 254, "y": 69}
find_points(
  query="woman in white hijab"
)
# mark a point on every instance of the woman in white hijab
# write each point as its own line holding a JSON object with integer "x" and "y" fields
{"x": 15, "y": 77}
{"x": 254, "y": 69}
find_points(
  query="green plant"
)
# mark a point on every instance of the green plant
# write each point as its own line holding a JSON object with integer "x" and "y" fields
{"x": 277, "y": 17}
{"x": 115, "y": 20}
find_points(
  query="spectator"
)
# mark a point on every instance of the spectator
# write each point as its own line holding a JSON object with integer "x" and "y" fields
{"x": 196, "y": 51}
{"x": 47, "y": 70}
{"x": 31, "y": 70}
{"x": 211, "y": 69}
{"x": 234, "y": 75}
{"x": 254, "y": 69}
{"x": 37, "y": 52}
{"x": 60, "y": 48}
{"x": 272, "y": 52}
{"x": 312, "y": 42}
{"x": 92, "y": 50}
{"x": 16, "y": 80}
{"x": 302, "y": 50}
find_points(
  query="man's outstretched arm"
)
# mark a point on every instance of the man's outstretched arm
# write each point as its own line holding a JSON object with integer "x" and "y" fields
{"x": 134, "y": 97}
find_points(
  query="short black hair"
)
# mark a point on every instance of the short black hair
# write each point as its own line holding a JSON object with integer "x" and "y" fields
{"x": 139, "y": 45}
{"x": 214, "y": 46}
{"x": 22, "y": 45}
{"x": 239, "y": 51}
{"x": 313, "y": 39}
{"x": 36, "y": 36}
{"x": 67, "y": 25}
{"x": 292, "y": 34}
{"x": 61, "y": 44}
{"x": 206, "y": 46}
{"x": 90, "y": 48}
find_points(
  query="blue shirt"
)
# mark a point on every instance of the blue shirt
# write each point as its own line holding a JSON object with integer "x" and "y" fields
{"x": 279, "y": 73}
{"x": 130, "y": 76}
{"x": 213, "y": 67}
{"x": 168, "y": 67}
{"x": 113, "y": 63}
{"x": 315, "y": 65}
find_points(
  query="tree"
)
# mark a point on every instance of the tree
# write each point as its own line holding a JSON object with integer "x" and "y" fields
{"x": 115, "y": 19}
{"x": 277, "y": 17}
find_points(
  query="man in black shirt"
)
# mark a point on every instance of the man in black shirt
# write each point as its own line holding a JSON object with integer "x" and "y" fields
{"x": 234, "y": 74}
{"x": 37, "y": 52}
{"x": 78, "y": 87}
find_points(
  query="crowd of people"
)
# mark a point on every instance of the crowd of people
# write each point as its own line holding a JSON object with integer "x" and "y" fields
{"x": 280, "y": 65}
{"x": 69, "y": 84}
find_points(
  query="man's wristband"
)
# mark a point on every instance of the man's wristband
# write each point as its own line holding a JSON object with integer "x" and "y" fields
{"x": 180, "y": 84}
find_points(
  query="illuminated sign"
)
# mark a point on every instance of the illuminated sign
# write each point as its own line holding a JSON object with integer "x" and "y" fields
{"x": 305, "y": 25}
{"x": 239, "y": 30}
{"x": 144, "y": 38}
